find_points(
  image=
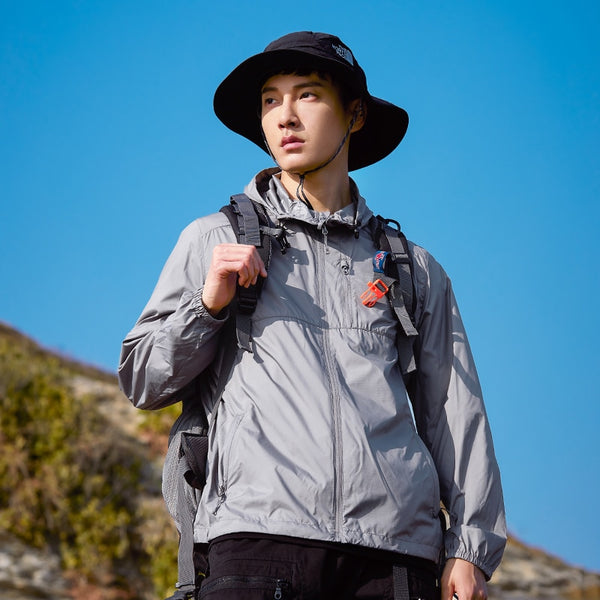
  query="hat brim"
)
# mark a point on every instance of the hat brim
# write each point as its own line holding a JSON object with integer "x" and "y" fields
{"x": 237, "y": 104}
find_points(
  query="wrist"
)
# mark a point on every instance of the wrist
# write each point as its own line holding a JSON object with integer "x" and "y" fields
{"x": 202, "y": 308}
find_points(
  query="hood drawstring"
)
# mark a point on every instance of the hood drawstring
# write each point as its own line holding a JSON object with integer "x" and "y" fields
{"x": 357, "y": 222}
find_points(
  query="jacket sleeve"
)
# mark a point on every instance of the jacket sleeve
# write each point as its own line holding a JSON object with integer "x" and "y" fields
{"x": 452, "y": 421}
{"x": 175, "y": 337}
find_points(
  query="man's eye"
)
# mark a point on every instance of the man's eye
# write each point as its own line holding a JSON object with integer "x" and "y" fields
{"x": 307, "y": 95}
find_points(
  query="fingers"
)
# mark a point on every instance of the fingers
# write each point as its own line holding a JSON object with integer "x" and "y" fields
{"x": 230, "y": 264}
{"x": 240, "y": 259}
{"x": 463, "y": 580}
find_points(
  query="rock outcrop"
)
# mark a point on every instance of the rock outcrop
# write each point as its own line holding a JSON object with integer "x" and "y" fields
{"x": 29, "y": 574}
{"x": 528, "y": 572}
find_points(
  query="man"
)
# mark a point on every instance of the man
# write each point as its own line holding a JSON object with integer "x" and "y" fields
{"x": 317, "y": 482}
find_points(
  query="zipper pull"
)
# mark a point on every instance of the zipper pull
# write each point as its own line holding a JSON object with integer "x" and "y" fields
{"x": 345, "y": 266}
{"x": 325, "y": 232}
{"x": 222, "y": 496}
{"x": 279, "y": 585}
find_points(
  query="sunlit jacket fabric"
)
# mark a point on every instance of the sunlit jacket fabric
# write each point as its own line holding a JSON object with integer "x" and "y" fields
{"x": 314, "y": 437}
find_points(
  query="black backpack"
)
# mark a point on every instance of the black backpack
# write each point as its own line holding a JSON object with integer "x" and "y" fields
{"x": 392, "y": 273}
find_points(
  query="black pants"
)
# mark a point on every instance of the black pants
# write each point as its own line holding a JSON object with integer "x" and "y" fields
{"x": 253, "y": 569}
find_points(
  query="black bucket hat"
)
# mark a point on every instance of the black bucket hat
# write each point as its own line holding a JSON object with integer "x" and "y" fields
{"x": 237, "y": 98}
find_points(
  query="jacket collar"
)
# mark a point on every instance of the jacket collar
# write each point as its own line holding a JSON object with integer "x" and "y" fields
{"x": 269, "y": 191}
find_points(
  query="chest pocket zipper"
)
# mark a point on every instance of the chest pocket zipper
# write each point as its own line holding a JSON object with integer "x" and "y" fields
{"x": 224, "y": 463}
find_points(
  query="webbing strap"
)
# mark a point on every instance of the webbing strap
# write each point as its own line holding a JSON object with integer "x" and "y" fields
{"x": 249, "y": 232}
{"x": 399, "y": 252}
{"x": 244, "y": 220}
{"x": 401, "y": 591}
{"x": 399, "y": 280}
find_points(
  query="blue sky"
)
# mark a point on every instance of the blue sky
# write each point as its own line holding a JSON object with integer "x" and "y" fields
{"x": 109, "y": 147}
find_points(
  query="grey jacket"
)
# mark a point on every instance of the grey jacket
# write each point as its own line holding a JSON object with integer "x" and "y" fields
{"x": 315, "y": 437}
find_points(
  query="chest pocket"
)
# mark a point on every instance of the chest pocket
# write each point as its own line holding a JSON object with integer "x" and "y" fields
{"x": 321, "y": 283}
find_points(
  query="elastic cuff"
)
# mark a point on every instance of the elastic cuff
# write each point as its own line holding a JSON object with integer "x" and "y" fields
{"x": 470, "y": 558}
{"x": 202, "y": 312}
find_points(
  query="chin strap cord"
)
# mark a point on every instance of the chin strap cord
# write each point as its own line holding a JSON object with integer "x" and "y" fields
{"x": 300, "y": 193}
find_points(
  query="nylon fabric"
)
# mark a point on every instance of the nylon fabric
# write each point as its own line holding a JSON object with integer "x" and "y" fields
{"x": 333, "y": 455}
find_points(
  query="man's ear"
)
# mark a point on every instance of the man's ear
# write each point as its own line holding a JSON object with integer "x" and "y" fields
{"x": 358, "y": 110}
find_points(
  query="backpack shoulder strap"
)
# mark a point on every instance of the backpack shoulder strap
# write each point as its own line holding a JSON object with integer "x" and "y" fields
{"x": 397, "y": 273}
{"x": 252, "y": 226}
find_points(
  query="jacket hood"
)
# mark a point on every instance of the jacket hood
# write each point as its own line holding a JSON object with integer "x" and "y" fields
{"x": 267, "y": 189}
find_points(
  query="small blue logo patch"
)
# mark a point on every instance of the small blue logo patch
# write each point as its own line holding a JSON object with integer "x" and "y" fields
{"x": 379, "y": 261}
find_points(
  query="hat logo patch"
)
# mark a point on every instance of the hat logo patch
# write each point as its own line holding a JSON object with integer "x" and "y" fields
{"x": 344, "y": 53}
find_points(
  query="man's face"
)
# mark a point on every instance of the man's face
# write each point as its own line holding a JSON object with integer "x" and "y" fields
{"x": 303, "y": 120}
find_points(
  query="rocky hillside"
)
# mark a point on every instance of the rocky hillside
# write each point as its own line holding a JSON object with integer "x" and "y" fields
{"x": 81, "y": 514}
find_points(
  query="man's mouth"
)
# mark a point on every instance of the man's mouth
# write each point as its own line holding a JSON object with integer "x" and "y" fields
{"x": 291, "y": 142}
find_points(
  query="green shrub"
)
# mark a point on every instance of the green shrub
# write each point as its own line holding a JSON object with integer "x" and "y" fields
{"x": 70, "y": 482}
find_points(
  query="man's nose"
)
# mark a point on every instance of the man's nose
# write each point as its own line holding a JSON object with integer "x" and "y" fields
{"x": 287, "y": 116}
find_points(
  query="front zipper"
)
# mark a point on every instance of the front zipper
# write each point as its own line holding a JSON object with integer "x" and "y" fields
{"x": 338, "y": 456}
{"x": 322, "y": 227}
{"x": 279, "y": 586}
{"x": 338, "y": 481}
